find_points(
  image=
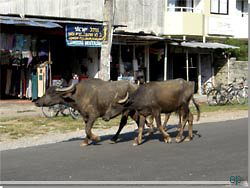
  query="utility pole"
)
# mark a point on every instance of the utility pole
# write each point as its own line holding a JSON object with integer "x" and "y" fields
{"x": 108, "y": 18}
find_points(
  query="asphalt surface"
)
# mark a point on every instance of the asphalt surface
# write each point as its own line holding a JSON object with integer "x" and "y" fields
{"x": 218, "y": 151}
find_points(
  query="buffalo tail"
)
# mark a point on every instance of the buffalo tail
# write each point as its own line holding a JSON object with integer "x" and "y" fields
{"x": 197, "y": 108}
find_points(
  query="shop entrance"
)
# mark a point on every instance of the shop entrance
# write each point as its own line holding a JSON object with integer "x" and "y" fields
{"x": 156, "y": 65}
{"x": 180, "y": 67}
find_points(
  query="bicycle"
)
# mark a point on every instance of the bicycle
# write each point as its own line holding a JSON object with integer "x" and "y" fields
{"x": 237, "y": 95}
{"x": 243, "y": 90}
{"x": 207, "y": 87}
{"x": 217, "y": 96}
{"x": 53, "y": 111}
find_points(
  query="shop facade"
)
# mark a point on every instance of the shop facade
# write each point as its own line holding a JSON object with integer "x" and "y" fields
{"x": 34, "y": 58}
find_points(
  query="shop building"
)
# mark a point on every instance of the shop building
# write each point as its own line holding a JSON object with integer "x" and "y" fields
{"x": 38, "y": 54}
{"x": 161, "y": 39}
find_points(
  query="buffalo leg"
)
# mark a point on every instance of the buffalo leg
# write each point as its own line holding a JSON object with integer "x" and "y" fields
{"x": 190, "y": 127}
{"x": 185, "y": 117}
{"x": 138, "y": 139}
{"x": 167, "y": 116}
{"x": 150, "y": 124}
{"x": 123, "y": 122}
{"x": 89, "y": 134}
{"x": 166, "y": 136}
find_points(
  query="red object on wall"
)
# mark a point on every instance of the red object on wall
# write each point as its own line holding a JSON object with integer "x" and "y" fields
{"x": 56, "y": 77}
{"x": 83, "y": 78}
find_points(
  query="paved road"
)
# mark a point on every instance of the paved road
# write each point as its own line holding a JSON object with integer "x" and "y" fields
{"x": 218, "y": 151}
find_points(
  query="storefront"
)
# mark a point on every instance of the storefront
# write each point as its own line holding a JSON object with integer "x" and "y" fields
{"x": 25, "y": 62}
{"x": 137, "y": 58}
{"x": 35, "y": 55}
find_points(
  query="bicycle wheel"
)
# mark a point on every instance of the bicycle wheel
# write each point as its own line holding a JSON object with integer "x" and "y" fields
{"x": 211, "y": 97}
{"x": 74, "y": 113}
{"x": 241, "y": 96}
{"x": 51, "y": 111}
{"x": 221, "y": 97}
{"x": 231, "y": 95}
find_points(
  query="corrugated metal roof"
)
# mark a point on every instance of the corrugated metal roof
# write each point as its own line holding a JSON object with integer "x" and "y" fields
{"x": 209, "y": 45}
{"x": 30, "y": 23}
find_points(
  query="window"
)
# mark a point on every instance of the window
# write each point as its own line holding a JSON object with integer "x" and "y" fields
{"x": 241, "y": 8}
{"x": 219, "y": 6}
{"x": 180, "y": 5}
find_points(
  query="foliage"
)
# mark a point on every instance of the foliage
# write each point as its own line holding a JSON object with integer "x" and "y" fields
{"x": 241, "y": 53}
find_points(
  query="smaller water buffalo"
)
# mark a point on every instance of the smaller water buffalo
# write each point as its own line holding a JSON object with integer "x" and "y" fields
{"x": 155, "y": 98}
{"x": 91, "y": 98}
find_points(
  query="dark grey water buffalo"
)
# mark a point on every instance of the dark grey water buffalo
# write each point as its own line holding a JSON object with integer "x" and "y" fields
{"x": 155, "y": 98}
{"x": 91, "y": 98}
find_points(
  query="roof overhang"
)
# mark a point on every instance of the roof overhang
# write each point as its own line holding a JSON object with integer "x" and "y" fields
{"x": 207, "y": 45}
{"x": 28, "y": 22}
{"x": 136, "y": 38}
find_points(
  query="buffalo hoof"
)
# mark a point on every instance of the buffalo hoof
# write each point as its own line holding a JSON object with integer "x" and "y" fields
{"x": 136, "y": 143}
{"x": 168, "y": 140}
{"x": 97, "y": 138}
{"x": 187, "y": 139}
{"x": 178, "y": 140}
{"x": 113, "y": 140}
{"x": 84, "y": 144}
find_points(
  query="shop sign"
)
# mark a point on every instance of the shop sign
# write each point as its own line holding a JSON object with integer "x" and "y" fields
{"x": 85, "y": 35}
{"x": 220, "y": 26}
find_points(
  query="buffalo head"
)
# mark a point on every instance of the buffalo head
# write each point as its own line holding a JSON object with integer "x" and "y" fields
{"x": 115, "y": 107}
{"x": 55, "y": 95}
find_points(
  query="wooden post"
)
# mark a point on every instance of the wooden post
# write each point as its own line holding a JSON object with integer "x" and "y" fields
{"x": 50, "y": 70}
{"x": 212, "y": 65}
{"x": 147, "y": 62}
{"x": 121, "y": 66}
{"x": 228, "y": 71}
{"x": 199, "y": 73}
{"x": 166, "y": 61}
{"x": 187, "y": 71}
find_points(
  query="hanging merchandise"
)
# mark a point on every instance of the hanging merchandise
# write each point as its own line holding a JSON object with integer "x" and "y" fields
{"x": 43, "y": 47}
{"x": 34, "y": 87}
{"x": 16, "y": 58}
{"x": 19, "y": 41}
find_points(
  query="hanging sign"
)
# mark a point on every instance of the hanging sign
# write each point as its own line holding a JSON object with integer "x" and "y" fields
{"x": 85, "y": 35}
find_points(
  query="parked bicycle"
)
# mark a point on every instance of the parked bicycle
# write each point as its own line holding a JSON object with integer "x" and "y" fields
{"x": 237, "y": 94}
{"x": 244, "y": 88}
{"x": 217, "y": 96}
{"x": 55, "y": 110}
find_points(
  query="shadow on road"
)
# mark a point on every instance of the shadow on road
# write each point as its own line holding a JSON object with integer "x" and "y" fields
{"x": 126, "y": 137}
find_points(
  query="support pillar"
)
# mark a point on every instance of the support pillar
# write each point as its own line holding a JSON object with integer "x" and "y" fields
{"x": 166, "y": 61}
{"x": 199, "y": 73}
{"x": 187, "y": 67}
{"x": 147, "y": 62}
{"x": 108, "y": 17}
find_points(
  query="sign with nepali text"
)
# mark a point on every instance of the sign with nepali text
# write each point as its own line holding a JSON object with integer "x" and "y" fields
{"x": 85, "y": 35}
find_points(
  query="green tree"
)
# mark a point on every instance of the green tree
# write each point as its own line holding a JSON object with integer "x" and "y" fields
{"x": 240, "y": 53}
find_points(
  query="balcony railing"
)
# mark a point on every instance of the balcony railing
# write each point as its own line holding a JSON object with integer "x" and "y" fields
{"x": 184, "y": 9}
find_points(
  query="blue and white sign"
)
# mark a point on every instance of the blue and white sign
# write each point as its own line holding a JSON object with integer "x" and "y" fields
{"x": 85, "y": 35}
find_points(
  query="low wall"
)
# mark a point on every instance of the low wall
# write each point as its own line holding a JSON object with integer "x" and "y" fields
{"x": 237, "y": 69}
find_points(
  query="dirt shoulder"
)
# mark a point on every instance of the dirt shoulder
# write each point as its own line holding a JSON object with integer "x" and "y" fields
{"x": 53, "y": 137}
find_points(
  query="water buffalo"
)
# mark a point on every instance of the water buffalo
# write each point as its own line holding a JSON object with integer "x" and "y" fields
{"x": 91, "y": 98}
{"x": 155, "y": 98}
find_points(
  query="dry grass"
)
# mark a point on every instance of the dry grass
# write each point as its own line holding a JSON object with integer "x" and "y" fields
{"x": 15, "y": 128}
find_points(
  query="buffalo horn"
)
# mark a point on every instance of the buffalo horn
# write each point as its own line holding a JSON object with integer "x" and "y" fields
{"x": 66, "y": 88}
{"x": 123, "y": 100}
